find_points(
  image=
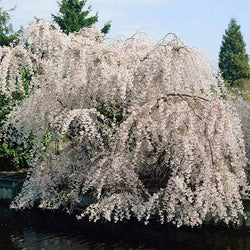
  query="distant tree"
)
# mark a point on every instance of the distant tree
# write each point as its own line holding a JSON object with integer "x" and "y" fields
{"x": 72, "y": 18}
{"x": 7, "y": 35}
{"x": 233, "y": 60}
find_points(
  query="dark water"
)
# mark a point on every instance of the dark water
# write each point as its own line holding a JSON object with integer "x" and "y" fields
{"x": 49, "y": 230}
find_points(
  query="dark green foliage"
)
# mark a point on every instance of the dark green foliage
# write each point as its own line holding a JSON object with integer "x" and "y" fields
{"x": 233, "y": 60}
{"x": 111, "y": 111}
{"x": 7, "y": 35}
{"x": 16, "y": 96}
{"x": 106, "y": 28}
{"x": 15, "y": 150}
{"x": 72, "y": 18}
{"x": 15, "y": 154}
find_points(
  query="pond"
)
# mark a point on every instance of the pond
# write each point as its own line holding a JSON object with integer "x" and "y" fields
{"x": 37, "y": 229}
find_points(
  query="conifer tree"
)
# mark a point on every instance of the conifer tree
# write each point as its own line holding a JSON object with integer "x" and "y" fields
{"x": 233, "y": 60}
{"x": 6, "y": 31}
{"x": 72, "y": 17}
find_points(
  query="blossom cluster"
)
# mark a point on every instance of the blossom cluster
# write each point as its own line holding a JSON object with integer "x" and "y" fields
{"x": 140, "y": 128}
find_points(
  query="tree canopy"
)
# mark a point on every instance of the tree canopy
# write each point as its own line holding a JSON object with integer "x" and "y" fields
{"x": 140, "y": 129}
{"x": 72, "y": 17}
{"x": 233, "y": 59}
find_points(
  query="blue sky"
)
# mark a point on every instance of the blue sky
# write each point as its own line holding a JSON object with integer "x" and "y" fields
{"x": 199, "y": 23}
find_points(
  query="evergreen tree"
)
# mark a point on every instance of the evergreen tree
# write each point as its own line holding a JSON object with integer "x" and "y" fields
{"x": 233, "y": 60}
{"x": 7, "y": 35}
{"x": 72, "y": 18}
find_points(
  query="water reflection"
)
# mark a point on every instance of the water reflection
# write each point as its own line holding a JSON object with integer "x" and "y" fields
{"x": 51, "y": 230}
